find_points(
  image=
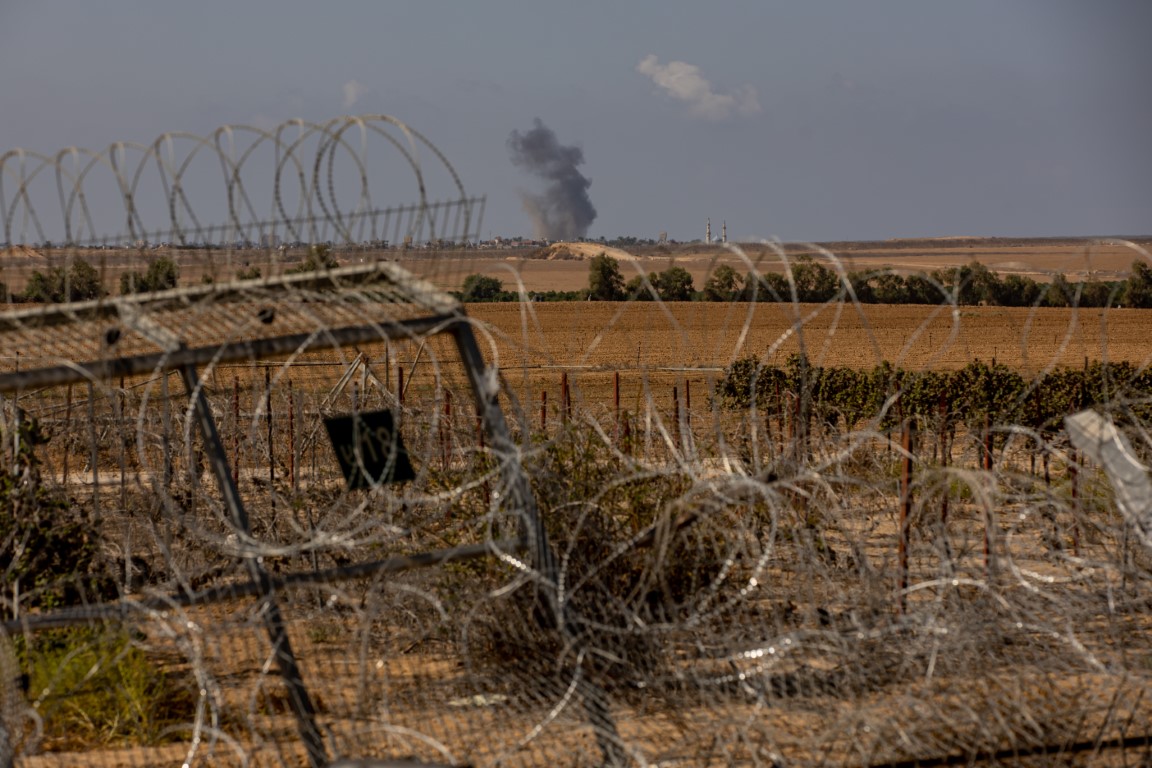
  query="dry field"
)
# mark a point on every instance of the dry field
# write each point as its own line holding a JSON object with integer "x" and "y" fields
{"x": 658, "y": 345}
{"x": 1077, "y": 260}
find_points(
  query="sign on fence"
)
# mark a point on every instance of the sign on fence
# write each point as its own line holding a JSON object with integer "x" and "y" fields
{"x": 369, "y": 449}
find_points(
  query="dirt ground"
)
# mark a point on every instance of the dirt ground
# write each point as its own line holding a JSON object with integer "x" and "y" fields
{"x": 635, "y": 354}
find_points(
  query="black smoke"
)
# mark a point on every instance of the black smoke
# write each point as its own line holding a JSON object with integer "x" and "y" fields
{"x": 563, "y": 211}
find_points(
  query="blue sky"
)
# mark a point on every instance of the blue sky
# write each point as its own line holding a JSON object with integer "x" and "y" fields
{"x": 814, "y": 120}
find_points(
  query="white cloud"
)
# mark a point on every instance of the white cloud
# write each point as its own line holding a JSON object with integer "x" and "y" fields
{"x": 353, "y": 90}
{"x": 683, "y": 81}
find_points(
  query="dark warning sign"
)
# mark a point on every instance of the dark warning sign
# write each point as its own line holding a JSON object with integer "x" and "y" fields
{"x": 369, "y": 449}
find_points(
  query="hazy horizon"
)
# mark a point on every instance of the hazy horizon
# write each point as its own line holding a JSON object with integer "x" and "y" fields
{"x": 818, "y": 122}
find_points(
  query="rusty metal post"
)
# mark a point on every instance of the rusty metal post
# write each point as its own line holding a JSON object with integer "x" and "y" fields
{"x": 445, "y": 432}
{"x": 292, "y": 472}
{"x": 235, "y": 430}
{"x": 165, "y": 431}
{"x": 565, "y": 398}
{"x": 987, "y": 512}
{"x": 905, "y": 513}
{"x": 271, "y": 440}
{"x": 94, "y": 446}
{"x": 298, "y": 699}
{"x": 616, "y": 407}
{"x": 1074, "y": 481}
{"x": 67, "y": 428}
{"x": 689, "y": 444}
{"x": 944, "y": 455}
{"x": 118, "y": 405}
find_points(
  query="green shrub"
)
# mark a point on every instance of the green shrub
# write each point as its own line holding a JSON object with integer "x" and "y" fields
{"x": 79, "y": 282}
{"x": 49, "y": 549}
{"x": 95, "y": 687}
{"x": 479, "y": 287}
{"x": 319, "y": 258}
{"x": 161, "y": 274}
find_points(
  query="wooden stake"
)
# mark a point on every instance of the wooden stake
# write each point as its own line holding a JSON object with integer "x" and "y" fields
{"x": 1074, "y": 480}
{"x": 905, "y": 512}
{"x": 292, "y": 439}
{"x": 67, "y": 427}
{"x": 271, "y": 441}
{"x": 236, "y": 430}
{"x": 165, "y": 430}
{"x": 616, "y": 402}
{"x": 445, "y": 437}
{"x": 565, "y": 398}
{"x": 987, "y": 512}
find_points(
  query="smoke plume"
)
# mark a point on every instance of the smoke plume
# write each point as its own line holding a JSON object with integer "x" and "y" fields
{"x": 353, "y": 90}
{"x": 683, "y": 81}
{"x": 563, "y": 211}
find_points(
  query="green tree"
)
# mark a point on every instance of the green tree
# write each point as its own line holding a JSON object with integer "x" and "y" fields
{"x": 1019, "y": 291}
{"x": 160, "y": 275}
{"x": 766, "y": 286}
{"x": 889, "y": 288}
{"x": 79, "y": 282}
{"x": 319, "y": 258}
{"x": 636, "y": 290}
{"x": 674, "y": 284}
{"x": 479, "y": 287}
{"x": 1058, "y": 293}
{"x": 1097, "y": 294}
{"x": 814, "y": 281}
{"x": 83, "y": 282}
{"x": 605, "y": 283}
{"x": 921, "y": 289}
{"x": 724, "y": 284}
{"x": 1138, "y": 289}
{"x": 50, "y": 551}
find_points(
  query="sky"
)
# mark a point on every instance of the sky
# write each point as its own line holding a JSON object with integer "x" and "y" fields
{"x": 815, "y": 121}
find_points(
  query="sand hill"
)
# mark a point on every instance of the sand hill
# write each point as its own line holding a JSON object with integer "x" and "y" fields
{"x": 584, "y": 252}
{"x": 21, "y": 252}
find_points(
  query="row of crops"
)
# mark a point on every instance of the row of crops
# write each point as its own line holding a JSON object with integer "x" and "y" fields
{"x": 977, "y": 396}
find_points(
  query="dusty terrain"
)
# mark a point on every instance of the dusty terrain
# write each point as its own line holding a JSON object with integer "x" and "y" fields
{"x": 377, "y": 676}
{"x": 563, "y": 267}
{"x": 1039, "y": 259}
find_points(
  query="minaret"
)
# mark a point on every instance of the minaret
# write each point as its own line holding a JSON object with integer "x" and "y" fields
{"x": 723, "y": 231}
{"x": 708, "y": 232}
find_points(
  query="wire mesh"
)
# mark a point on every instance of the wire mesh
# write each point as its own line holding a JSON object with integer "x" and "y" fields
{"x": 785, "y": 532}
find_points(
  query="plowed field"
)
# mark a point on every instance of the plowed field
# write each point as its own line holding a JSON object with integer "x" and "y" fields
{"x": 664, "y": 344}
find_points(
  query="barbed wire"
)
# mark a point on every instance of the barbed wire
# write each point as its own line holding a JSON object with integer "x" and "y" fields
{"x": 785, "y": 532}
{"x": 299, "y": 181}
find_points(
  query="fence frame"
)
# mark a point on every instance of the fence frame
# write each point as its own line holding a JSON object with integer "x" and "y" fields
{"x": 442, "y": 315}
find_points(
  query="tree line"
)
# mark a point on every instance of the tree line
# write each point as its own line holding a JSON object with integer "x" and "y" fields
{"x": 813, "y": 282}
{"x": 80, "y": 281}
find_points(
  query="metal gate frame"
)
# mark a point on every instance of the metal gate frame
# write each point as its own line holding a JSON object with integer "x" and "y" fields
{"x": 450, "y": 319}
